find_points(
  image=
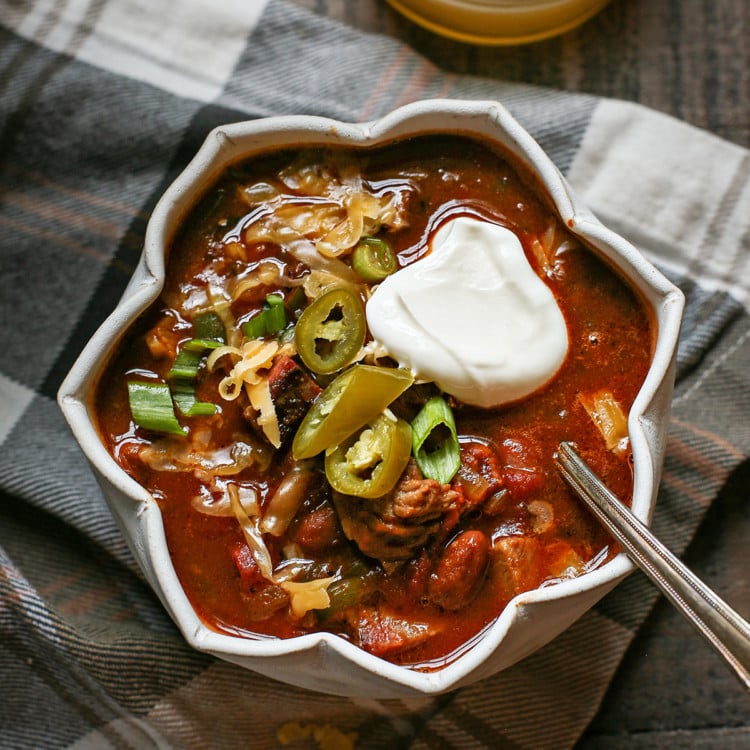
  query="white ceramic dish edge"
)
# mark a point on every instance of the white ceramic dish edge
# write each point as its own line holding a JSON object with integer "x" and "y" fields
{"x": 325, "y": 662}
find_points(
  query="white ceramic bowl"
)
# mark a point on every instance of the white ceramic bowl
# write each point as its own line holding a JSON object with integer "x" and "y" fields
{"x": 322, "y": 661}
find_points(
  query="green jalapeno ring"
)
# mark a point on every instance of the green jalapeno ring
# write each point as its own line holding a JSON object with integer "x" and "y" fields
{"x": 351, "y": 400}
{"x": 330, "y": 331}
{"x": 373, "y": 259}
{"x": 369, "y": 463}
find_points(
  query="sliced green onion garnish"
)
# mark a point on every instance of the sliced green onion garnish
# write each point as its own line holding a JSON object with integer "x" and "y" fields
{"x": 208, "y": 326}
{"x": 186, "y": 364}
{"x": 434, "y": 441}
{"x": 275, "y": 314}
{"x": 151, "y": 407}
{"x": 373, "y": 259}
{"x": 255, "y": 328}
{"x": 183, "y": 373}
{"x": 185, "y": 400}
{"x": 269, "y": 321}
{"x": 189, "y": 358}
{"x": 200, "y": 345}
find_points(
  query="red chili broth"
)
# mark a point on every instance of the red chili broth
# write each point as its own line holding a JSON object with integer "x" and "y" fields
{"x": 611, "y": 340}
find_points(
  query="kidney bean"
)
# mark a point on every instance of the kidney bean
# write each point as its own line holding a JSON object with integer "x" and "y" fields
{"x": 318, "y": 530}
{"x": 460, "y": 571}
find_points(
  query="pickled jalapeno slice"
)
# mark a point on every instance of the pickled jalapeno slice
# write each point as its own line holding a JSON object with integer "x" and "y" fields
{"x": 331, "y": 331}
{"x": 369, "y": 463}
{"x": 373, "y": 259}
{"x": 353, "y": 399}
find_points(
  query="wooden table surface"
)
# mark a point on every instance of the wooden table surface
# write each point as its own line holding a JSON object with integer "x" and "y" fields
{"x": 689, "y": 59}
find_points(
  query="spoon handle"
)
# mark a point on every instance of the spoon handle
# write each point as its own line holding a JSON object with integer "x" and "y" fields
{"x": 724, "y": 629}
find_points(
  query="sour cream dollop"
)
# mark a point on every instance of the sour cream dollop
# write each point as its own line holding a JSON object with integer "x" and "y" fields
{"x": 472, "y": 316}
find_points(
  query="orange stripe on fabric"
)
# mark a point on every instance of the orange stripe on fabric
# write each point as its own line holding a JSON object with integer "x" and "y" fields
{"x": 382, "y": 83}
{"x": 57, "y": 240}
{"x": 122, "y": 615}
{"x": 63, "y": 216}
{"x": 425, "y": 72}
{"x": 712, "y": 437}
{"x": 714, "y": 472}
{"x": 86, "y": 601}
{"x": 93, "y": 200}
{"x": 700, "y": 461}
{"x": 62, "y": 582}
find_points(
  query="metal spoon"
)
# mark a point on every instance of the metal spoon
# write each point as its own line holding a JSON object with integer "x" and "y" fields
{"x": 714, "y": 619}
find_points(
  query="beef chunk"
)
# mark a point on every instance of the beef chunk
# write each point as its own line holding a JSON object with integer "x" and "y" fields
{"x": 292, "y": 392}
{"x": 397, "y": 525}
{"x": 386, "y": 633}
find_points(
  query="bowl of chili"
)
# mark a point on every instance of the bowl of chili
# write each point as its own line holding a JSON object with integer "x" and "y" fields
{"x": 324, "y": 412}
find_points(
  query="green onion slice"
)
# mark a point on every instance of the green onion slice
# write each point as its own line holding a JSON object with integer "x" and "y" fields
{"x": 255, "y": 328}
{"x": 297, "y": 300}
{"x": 201, "y": 345}
{"x": 184, "y": 398}
{"x": 269, "y": 321}
{"x": 183, "y": 373}
{"x": 152, "y": 409}
{"x": 373, "y": 259}
{"x": 434, "y": 441}
{"x": 189, "y": 358}
{"x": 208, "y": 327}
{"x": 185, "y": 366}
{"x": 275, "y": 314}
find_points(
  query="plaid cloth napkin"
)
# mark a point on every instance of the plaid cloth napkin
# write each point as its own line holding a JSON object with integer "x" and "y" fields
{"x": 103, "y": 102}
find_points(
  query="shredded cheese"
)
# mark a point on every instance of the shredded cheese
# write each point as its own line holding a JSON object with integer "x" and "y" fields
{"x": 260, "y": 398}
{"x": 218, "y": 353}
{"x": 252, "y": 361}
{"x": 303, "y": 595}
{"x": 318, "y": 281}
{"x": 307, "y": 595}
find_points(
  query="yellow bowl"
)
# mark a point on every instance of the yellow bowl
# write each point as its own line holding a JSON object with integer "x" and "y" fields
{"x": 498, "y": 22}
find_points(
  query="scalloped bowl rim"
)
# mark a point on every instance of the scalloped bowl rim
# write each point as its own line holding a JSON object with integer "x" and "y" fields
{"x": 143, "y": 526}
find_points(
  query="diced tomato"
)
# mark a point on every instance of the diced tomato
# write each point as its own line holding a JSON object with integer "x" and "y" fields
{"x": 519, "y": 452}
{"x": 522, "y": 482}
{"x": 260, "y": 598}
{"x": 129, "y": 455}
{"x": 479, "y": 475}
{"x": 521, "y": 473}
{"x": 246, "y": 566}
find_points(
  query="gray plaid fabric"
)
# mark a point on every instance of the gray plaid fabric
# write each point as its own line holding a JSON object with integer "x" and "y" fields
{"x": 102, "y": 104}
